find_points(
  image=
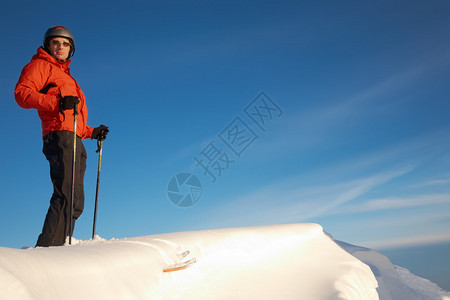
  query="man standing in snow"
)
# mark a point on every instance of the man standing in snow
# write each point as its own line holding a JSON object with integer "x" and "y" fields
{"x": 46, "y": 85}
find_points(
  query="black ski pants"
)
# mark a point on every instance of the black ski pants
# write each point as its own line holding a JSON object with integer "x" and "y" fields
{"x": 58, "y": 149}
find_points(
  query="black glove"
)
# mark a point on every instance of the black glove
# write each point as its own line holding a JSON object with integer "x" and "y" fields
{"x": 46, "y": 88}
{"x": 68, "y": 102}
{"x": 100, "y": 132}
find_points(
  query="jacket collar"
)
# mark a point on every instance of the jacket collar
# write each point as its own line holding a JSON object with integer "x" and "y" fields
{"x": 42, "y": 54}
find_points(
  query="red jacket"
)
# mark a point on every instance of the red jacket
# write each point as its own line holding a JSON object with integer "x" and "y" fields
{"x": 41, "y": 71}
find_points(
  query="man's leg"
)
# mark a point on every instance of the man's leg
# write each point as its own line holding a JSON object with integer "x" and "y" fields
{"x": 58, "y": 150}
{"x": 78, "y": 201}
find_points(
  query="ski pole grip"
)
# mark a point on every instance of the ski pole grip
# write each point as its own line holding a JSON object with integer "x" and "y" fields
{"x": 75, "y": 110}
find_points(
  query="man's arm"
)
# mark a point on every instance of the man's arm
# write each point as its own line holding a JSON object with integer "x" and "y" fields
{"x": 29, "y": 91}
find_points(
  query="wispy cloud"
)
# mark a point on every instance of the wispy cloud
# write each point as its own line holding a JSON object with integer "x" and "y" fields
{"x": 433, "y": 182}
{"x": 396, "y": 203}
{"x": 402, "y": 228}
{"x": 418, "y": 240}
{"x": 290, "y": 201}
{"x": 353, "y": 190}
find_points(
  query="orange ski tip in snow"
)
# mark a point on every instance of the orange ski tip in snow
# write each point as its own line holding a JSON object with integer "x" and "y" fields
{"x": 174, "y": 269}
{"x": 179, "y": 266}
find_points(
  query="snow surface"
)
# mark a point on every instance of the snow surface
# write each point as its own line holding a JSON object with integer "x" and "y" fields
{"x": 296, "y": 261}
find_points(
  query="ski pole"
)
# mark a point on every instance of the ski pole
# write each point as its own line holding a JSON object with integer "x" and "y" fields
{"x": 75, "y": 114}
{"x": 99, "y": 150}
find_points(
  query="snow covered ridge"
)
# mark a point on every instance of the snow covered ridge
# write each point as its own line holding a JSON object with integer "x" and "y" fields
{"x": 297, "y": 261}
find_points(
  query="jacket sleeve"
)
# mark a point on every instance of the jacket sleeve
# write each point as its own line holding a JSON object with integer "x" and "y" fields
{"x": 33, "y": 78}
{"x": 88, "y": 132}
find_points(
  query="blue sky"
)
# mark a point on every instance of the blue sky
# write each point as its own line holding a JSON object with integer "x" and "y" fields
{"x": 360, "y": 143}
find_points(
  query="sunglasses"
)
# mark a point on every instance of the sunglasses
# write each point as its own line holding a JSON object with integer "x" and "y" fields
{"x": 57, "y": 43}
